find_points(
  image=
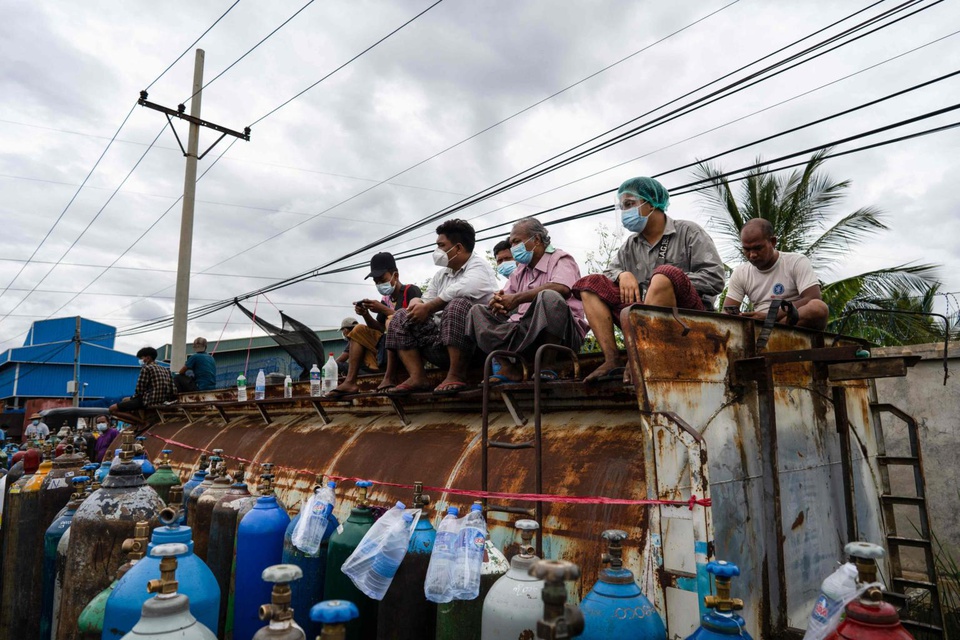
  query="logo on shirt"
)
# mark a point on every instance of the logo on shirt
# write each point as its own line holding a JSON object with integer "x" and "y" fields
{"x": 778, "y": 289}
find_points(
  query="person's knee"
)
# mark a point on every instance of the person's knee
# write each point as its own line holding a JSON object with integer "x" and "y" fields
{"x": 659, "y": 285}
{"x": 551, "y": 297}
{"x": 817, "y": 309}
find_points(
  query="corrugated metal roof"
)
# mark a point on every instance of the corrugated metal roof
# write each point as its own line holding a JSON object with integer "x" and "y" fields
{"x": 258, "y": 342}
{"x": 63, "y": 352}
{"x": 60, "y": 329}
{"x": 50, "y": 380}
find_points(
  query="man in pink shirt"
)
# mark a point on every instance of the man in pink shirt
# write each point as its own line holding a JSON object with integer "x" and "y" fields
{"x": 535, "y": 307}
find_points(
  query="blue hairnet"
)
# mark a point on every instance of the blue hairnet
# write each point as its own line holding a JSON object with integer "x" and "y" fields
{"x": 648, "y": 189}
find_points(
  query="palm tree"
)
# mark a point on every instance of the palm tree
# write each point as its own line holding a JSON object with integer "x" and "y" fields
{"x": 801, "y": 207}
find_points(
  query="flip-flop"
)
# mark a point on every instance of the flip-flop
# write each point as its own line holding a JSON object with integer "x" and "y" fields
{"x": 499, "y": 378}
{"x": 404, "y": 389}
{"x": 549, "y": 375}
{"x": 615, "y": 374}
{"x": 384, "y": 390}
{"x": 337, "y": 393}
{"x": 452, "y": 389}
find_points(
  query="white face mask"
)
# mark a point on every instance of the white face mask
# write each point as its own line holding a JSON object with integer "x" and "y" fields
{"x": 441, "y": 258}
{"x": 101, "y": 426}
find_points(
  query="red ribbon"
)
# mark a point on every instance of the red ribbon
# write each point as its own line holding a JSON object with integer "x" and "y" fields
{"x": 472, "y": 493}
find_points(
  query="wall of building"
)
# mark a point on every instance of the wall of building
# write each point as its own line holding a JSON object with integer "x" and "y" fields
{"x": 936, "y": 407}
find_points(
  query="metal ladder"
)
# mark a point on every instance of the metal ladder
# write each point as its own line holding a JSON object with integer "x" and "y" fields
{"x": 536, "y": 443}
{"x": 920, "y": 536}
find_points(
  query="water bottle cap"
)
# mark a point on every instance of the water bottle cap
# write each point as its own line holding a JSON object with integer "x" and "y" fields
{"x": 476, "y": 507}
{"x": 400, "y": 505}
{"x": 408, "y": 517}
{"x": 334, "y": 612}
{"x": 453, "y": 511}
{"x": 332, "y": 484}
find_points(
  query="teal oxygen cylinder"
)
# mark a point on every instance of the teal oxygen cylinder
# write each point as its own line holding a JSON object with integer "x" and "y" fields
{"x": 615, "y": 607}
{"x": 51, "y": 538}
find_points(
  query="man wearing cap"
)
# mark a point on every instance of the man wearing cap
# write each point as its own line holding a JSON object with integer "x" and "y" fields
{"x": 664, "y": 262}
{"x": 200, "y": 371}
{"x": 36, "y": 430}
{"x": 365, "y": 342}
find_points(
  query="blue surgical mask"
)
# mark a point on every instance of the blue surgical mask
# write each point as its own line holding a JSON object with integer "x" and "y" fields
{"x": 506, "y": 268}
{"x": 520, "y": 253}
{"x": 633, "y": 221}
{"x": 385, "y": 288}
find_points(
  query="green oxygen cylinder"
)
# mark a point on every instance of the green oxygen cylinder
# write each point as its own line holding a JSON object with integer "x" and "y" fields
{"x": 337, "y": 586}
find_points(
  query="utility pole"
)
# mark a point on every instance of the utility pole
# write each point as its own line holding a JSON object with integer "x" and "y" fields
{"x": 76, "y": 364}
{"x": 182, "y": 296}
{"x": 178, "y": 354}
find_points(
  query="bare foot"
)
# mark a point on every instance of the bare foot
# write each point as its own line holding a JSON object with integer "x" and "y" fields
{"x": 347, "y": 387}
{"x": 387, "y": 383}
{"x": 604, "y": 369}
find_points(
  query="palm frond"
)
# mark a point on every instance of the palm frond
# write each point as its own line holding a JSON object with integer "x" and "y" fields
{"x": 834, "y": 243}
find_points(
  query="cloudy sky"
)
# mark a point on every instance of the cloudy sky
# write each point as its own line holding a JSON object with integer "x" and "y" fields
{"x": 327, "y": 173}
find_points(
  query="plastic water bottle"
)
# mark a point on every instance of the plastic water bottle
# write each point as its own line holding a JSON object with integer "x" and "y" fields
{"x": 314, "y": 518}
{"x": 835, "y": 591}
{"x": 287, "y": 387}
{"x": 315, "y": 381}
{"x": 469, "y": 561}
{"x": 260, "y": 390}
{"x": 437, "y": 585}
{"x": 241, "y": 388}
{"x": 357, "y": 567}
{"x": 387, "y": 561}
{"x": 330, "y": 374}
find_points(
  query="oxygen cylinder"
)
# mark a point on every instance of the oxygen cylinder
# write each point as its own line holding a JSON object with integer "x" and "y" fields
{"x": 334, "y": 616}
{"x": 338, "y": 586}
{"x": 461, "y": 619}
{"x": 22, "y": 585}
{"x": 512, "y": 606}
{"x": 190, "y": 510}
{"x": 196, "y": 581}
{"x": 278, "y": 613}
{"x": 615, "y": 607}
{"x": 167, "y": 615}
{"x": 51, "y": 538}
{"x": 18, "y": 469}
{"x": 90, "y": 622}
{"x": 140, "y": 457}
{"x": 164, "y": 478}
{"x": 104, "y": 468}
{"x": 259, "y": 545}
{"x": 722, "y": 619}
{"x": 308, "y": 589}
{"x": 869, "y": 617}
{"x": 99, "y": 526}
{"x": 405, "y": 613}
{"x": 194, "y": 481}
{"x": 61, "y": 567}
{"x": 204, "y": 511}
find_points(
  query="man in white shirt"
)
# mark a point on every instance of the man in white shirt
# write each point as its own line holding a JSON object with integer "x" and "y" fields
{"x": 770, "y": 275}
{"x": 433, "y": 327}
{"x": 37, "y": 429}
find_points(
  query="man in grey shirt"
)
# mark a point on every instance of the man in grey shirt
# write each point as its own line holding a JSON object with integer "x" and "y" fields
{"x": 664, "y": 262}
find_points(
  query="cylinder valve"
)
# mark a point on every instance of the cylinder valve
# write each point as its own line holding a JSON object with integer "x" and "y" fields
{"x": 281, "y": 575}
{"x": 560, "y": 620}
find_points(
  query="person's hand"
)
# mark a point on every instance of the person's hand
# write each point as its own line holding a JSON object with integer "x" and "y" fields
{"x": 629, "y": 288}
{"x": 376, "y": 306}
{"x": 360, "y": 309}
{"x": 418, "y": 312}
{"x": 494, "y": 303}
{"x": 756, "y": 315}
{"x": 508, "y": 302}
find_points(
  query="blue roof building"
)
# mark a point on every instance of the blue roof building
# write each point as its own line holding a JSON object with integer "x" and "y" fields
{"x": 43, "y": 366}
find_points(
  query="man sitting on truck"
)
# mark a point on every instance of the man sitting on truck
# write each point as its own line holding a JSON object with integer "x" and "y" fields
{"x": 154, "y": 388}
{"x": 664, "y": 262}
{"x": 433, "y": 326}
{"x": 200, "y": 371}
{"x": 770, "y": 275}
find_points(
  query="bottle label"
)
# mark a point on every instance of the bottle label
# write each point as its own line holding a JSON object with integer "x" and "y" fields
{"x": 823, "y": 609}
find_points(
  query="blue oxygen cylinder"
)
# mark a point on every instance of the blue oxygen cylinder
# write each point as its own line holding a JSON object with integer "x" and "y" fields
{"x": 615, "y": 607}
{"x": 722, "y": 620}
{"x": 193, "y": 482}
{"x": 195, "y": 580}
{"x": 309, "y": 589}
{"x": 146, "y": 467}
{"x": 259, "y": 545}
{"x": 50, "y": 541}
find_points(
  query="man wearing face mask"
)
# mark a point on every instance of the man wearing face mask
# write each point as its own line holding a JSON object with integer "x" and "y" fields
{"x": 36, "y": 430}
{"x": 366, "y": 342}
{"x": 535, "y": 307}
{"x": 433, "y": 327}
{"x": 154, "y": 388}
{"x": 504, "y": 258}
{"x": 108, "y": 433}
{"x": 664, "y": 262}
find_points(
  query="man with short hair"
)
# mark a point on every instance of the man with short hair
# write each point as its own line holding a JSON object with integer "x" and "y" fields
{"x": 154, "y": 388}
{"x": 535, "y": 307}
{"x": 200, "y": 371}
{"x": 665, "y": 262}
{"x": 504, "y": 258}
{"x": 108, "y": 433}
{"x": 433, "y": 327}
{"x": 770, "y": 275}
{"x": 366, "y": 342}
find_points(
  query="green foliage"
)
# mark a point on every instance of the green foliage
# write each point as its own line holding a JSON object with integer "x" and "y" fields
{"x": 609, "y": 244}
{"x": 802, "y": 207}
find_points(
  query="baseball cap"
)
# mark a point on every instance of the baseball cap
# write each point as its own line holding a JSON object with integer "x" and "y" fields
{"x": 380, "y": 263}
{"x": 348, "y": 323}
